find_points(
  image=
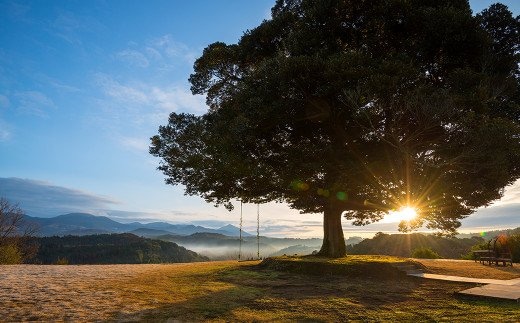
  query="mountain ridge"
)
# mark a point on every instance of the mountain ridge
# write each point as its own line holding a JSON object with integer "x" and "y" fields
{"x": 85, "y": 224}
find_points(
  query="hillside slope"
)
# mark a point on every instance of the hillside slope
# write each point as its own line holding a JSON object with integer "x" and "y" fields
{"x": 403, "y": 245}
{"x": 111, "y": 249}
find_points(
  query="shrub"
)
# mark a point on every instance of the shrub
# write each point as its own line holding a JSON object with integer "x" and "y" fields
{"x": 514, "y": 244}
{"x": 425, "y": 253}
{"x": 10, "y": 255}
{"x": 470, "y": 255}
{"x": 62, "y": 261}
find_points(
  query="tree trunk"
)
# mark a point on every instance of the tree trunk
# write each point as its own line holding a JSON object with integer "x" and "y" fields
{"x": 333, "y": 239}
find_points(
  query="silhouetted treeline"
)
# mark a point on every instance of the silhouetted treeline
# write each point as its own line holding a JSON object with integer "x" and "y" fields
{"x": 123, "y": 248}
{"x": 404, "y": 244}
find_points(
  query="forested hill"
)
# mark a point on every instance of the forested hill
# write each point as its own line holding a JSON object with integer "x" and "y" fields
{"x": 110, "y": 249}
{"x": 404, "y": 244}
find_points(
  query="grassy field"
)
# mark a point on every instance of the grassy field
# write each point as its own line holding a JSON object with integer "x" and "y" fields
{"x": 231, "y": 291}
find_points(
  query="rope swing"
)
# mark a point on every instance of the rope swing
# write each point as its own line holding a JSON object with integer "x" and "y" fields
{"x": 240, "y": 244}
{"x": 257, "y": 232}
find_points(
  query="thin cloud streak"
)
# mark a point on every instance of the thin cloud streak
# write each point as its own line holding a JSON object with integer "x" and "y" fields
{"x": 70, "y": 27}
{"x": 5, "y": 133}
{"x": 151, "y": 99}
{"x": 120, "y": 92}
{"x": 133, "y": 57}
{"x": 131, "y": 112}
{"x": 161, "y": 54}
{"x": 33, "y": 103}
{"x": 135, "y": 143}
{"x": 4, "y": 102}
{"x": 174, "y": 49}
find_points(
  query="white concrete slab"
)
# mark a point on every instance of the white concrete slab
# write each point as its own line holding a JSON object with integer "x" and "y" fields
{"x": 494, "y": 288}
{"x": 494, "y": 291}
{"x": 510, "y": 282}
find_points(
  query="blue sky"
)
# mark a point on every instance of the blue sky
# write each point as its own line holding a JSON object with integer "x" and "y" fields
{"x": 85, "y": 84}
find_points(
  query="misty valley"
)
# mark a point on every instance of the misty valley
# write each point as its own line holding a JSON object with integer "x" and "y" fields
{"x": 79, "y": 238}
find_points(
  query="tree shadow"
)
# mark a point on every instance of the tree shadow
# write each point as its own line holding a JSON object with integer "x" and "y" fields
{"x": 276, "y": 295}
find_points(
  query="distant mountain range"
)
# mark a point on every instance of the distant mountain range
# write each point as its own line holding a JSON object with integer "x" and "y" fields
{"x": 221, "y": 243}
{"x": 86, "y": 224}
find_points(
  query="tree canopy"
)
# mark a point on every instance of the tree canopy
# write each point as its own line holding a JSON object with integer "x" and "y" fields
{"x": 356, "y": 108}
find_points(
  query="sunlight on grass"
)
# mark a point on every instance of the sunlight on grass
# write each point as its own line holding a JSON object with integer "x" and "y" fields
{"x": 347, "y": 259}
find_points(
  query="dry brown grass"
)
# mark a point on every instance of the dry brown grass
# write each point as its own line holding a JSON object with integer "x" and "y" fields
{"x": 47, "y": 293}
{"x": 230, "y": 291}
{"x": 469, "y": 268}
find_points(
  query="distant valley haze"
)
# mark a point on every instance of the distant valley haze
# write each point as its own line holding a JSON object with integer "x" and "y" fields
{"x": 85, "y": 84}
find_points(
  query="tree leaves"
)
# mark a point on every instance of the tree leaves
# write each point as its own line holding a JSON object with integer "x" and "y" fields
{"x": 384, "y": 103}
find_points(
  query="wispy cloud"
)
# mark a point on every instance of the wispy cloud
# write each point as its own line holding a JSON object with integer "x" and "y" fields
{"x": 5, "y": 132}
{"x": 39, "y": 198}
{"x": 153, "y": 53}
{"x": 33, "y": 103}
{"x": 4, "y": 101}
{"x": 120, "y": 92}
{"x": 174, "y": 49}
{"x": 70, "y": 26}
{"x": 162, "y": 53}
{"x": 56, "y": 84}
{"x": 135, "y": 143}
{"x": 175, "y": 98}
{"x": 133, "y": 57}
{"x": 140, "y": 103}
{"x": 5, "y": 128}
{"x": 17, "y": 11}
{"x": 66, "y": 26}
{"x": 131, "y": 108}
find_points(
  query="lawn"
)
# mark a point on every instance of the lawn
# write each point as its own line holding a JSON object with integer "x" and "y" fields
{"x": 231, "y": 291}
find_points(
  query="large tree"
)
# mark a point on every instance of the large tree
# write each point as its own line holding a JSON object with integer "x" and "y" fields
{"x": 356, "y": 108}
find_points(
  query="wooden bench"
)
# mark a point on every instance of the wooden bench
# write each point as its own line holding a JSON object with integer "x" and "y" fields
{"x": 483, "y": 256}
{"x": 499, "y": 253}
{"x": 505, "y": 257}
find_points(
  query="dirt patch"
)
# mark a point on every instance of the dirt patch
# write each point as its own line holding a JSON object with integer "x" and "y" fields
{"x": 469, "y": 268}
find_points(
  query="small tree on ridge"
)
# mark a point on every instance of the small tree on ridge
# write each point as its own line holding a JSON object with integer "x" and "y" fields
{"x": 15, "y": 232}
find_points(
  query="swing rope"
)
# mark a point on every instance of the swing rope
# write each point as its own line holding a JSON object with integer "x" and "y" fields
{"x": 258, "y": 230}
{"x": 240, "y": 243}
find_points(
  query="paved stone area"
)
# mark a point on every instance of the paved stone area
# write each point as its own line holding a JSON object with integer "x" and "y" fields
{"x": 495, "y": 288}
{"x": 495, "y": 291}
{"x": 468, "y": 279}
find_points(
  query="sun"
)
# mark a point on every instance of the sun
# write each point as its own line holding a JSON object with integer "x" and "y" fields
{"x": 406, "y": 213}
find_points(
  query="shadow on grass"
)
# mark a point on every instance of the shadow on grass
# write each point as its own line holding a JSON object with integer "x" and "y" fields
{"x": 256, "y": 293}
{"x": 259, "y": 294}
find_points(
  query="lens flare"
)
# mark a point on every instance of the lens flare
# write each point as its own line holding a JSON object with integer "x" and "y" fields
{"x": 406, "y": 213}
